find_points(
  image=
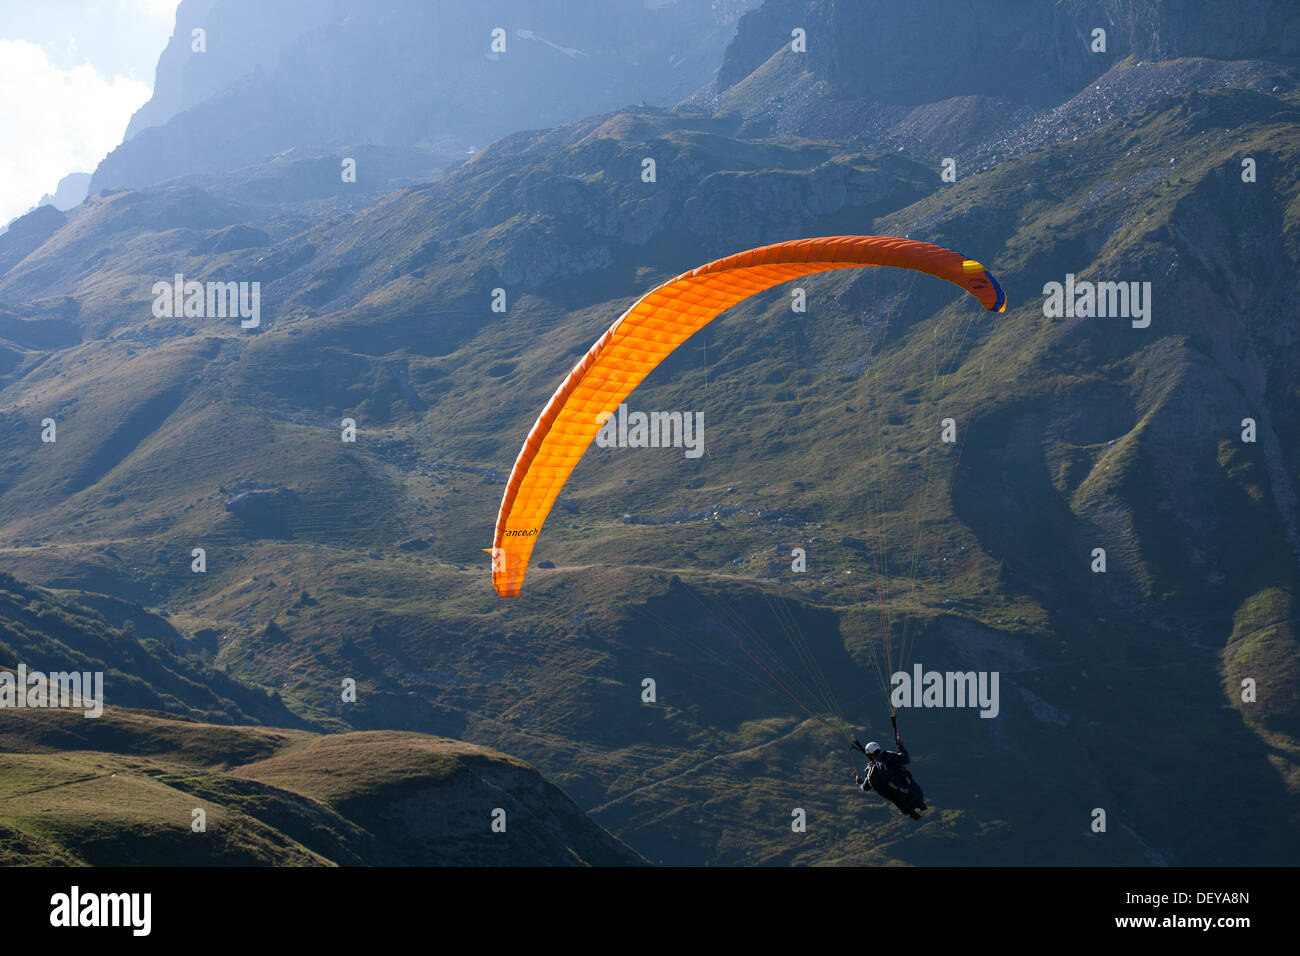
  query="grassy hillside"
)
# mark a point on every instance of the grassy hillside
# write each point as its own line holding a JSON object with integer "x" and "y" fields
{"x": 144, "y": 660}
{"x": 123, "y": 790}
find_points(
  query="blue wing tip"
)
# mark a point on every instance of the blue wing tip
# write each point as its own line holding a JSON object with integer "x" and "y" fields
{"x": 1001, "y": 304}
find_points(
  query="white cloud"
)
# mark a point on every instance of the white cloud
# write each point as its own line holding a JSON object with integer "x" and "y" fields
{"x": 158, "y": 9}
{"x": 55, "y": 121}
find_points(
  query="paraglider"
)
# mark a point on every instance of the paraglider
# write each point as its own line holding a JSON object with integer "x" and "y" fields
{"x": 887, "y": 774}
{"x": 648, "y": 332}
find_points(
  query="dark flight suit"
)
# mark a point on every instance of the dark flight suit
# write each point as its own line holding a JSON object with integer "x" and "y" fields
{"x": 890, "y": 778}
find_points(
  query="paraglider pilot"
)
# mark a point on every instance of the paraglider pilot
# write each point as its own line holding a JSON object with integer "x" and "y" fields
{"x": 887, "y": 774}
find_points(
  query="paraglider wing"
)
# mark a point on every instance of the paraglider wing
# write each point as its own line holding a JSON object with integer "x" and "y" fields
{"x": 647, "y": 332}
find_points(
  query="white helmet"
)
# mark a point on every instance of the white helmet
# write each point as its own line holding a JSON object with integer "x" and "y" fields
{"x": 873, "y": 748}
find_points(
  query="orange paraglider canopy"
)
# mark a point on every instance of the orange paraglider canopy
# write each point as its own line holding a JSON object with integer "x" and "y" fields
{"x": 647, "y": 332}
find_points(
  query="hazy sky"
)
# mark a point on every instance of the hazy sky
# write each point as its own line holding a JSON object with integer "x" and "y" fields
{"x": 71, "y": 74}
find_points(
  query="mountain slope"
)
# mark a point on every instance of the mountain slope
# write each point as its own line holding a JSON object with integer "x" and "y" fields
{"x": 123, "y": 790}
{"x": 403, "y": 73}
{"x": 329, "y": 560}
{"x": 145, "y": 661}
